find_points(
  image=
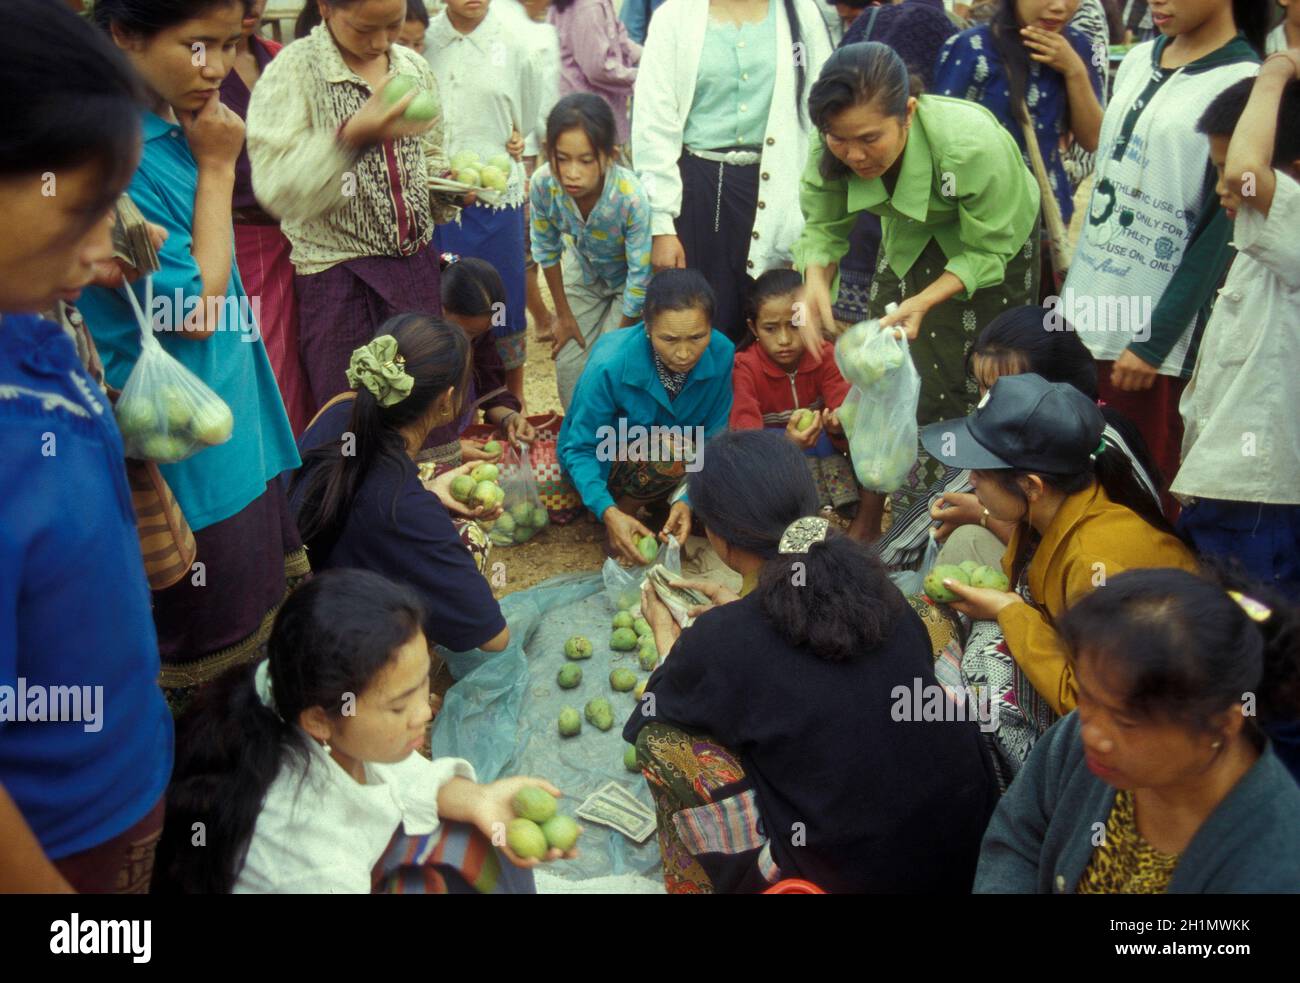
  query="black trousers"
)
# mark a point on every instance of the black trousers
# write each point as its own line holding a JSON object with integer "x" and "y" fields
{"x": 716, "y": 224}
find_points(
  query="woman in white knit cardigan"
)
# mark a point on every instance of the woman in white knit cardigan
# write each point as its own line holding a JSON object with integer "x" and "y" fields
{"x": 720, "y": 134}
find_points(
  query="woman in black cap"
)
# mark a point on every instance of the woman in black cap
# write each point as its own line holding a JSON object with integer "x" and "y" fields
{"x": 1037, "y": 459}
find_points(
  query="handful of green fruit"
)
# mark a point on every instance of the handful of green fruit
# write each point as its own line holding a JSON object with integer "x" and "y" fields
{"x": 420, "y": 109}
{"x": 969, "y": 572}
{"x": 479, "y": 488}
{"x": 538, "y": 828}
{"x": 173, "y": 427}
{"x": 803, "y": 419}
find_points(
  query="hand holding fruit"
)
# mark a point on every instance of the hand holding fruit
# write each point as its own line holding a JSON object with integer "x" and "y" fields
{"x": 385, "y": 114}
{"x": 477, "y": 450}
{"x": 462, "y": 490}
{"x": 977, "y": 591}
{"x": 508, "y": 803}
{"x": 624, "y": 531}
{"x": 980, "y": 603}
{"x": 215, "y": 134}
{"x": 804, "y": 428}
{"x": 907, "y": 317}
{"x": 955, "y": 509}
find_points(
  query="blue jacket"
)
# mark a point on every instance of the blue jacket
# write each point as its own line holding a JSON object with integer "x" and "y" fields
{"x": 636, "y": 17}
{"x": 620, "y": 383}
{"x": 1040, "y": 839}
{"x": 85, "y": 735}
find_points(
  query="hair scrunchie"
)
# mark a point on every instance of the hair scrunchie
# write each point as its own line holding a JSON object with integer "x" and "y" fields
{"x": 379, "y": 367}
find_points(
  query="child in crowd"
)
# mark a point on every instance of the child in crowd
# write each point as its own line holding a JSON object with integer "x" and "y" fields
{"x": 1164, "y": 780}
{"x": 308, "y": 765}
{"x": 479, "y": 55}
{"x": 474, "y": 298}
{"x": 1241, "y": 446}
{"x": 358, "y": 497}
{"x": 1155, "y": 236}
{"x": 591, "y": 233}
{"x": 774, "y": 378}
{"x": 415, "y": 26}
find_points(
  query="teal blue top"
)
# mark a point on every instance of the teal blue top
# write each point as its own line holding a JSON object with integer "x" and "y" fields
{"x": 733, "y": 90}
{"x": 217, "y": 482}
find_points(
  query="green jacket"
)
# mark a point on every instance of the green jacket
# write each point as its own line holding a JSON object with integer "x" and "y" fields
{"x": 962, "y": 183}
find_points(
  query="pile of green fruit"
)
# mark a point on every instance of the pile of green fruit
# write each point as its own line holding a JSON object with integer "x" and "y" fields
{"x": 969, "y": 572}
{"x": 519, "y": 524}
{"x": 468, "y": 168}
{"x": 174, "y": 427}
{"x": 479, "y": 487}
{"x": 538, "y": 827}
{"x": 420, "y": 109}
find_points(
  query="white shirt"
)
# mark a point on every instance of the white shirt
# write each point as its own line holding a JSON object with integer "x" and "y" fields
{"x": 1276, "y": 40}
{"x": 325, "y": 833}
{"x": 1241, "y": 438}
{"x": 545, "y": 44}
{"x": 490, "y": 77}
{"x": 665, "y": 89}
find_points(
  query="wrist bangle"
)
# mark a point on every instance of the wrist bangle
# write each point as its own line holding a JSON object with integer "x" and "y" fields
{"x": 984, "y": 519}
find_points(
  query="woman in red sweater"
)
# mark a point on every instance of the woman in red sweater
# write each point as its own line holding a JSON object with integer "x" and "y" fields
{"x": 777, "y": 384}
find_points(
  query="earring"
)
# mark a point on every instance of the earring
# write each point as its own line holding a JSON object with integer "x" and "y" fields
{"x": 325, "y": 746}
{"x": 1216, "y": 744}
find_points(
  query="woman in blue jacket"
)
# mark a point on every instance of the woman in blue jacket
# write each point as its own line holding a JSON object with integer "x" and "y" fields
{"x": 648, "y": 399}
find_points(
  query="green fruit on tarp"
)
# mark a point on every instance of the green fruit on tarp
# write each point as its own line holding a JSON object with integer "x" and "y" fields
{"x": 569, "y": 676}
{"x": 485, "y": 472}
{"x": 803, "y": 419}
{"x": 569, "y": 723}
{"x": 492, "y": 448}
{"x": 629, "y": 758}
{"x": 970, "y": 566}
{"x": 648, "y": 547}
{"x": 464, "y": 159}
{"x": 623, "y": 619}
{"x": 534, "y": 803}
{"x": 933, "y": 583}
{"x": 599, "y": 713}
{"x": 647, "y": 644}
{"x": 642, "y": 628}
{"x": 991, "y": 578}
{"x": 422, "y": 108}
{"x": 647, "y": 659}
{"x": 136, "y": 416}
{"x": 526, "y": 839}
{"x": 212, "y": 423}
{"x": 622, "y": 640}
{"x": 485, "y": 494}
{"x": 561, "y": 832}
{"x": 577, "y": 647}
{"x": 160, "y": 447}
{"x": 640, "y": 689}
{"x": 622, "y": 680}
{"x": 523, "y": 513}
{"x": 462, "y": 487}
{"x": 494, "y": 178}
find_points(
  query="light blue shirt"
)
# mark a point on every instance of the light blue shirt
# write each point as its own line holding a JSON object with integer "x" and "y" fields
{"x": 733, "y": 89}
{"x": 217, "y": 482}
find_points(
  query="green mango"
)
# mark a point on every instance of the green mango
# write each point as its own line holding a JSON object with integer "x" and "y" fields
{"x": 136, "y": 417}
{"x": 803, "y": 419}
{"x": 569, "y": 723}
{"x": 462, "y": 487}
{"x": 629, "y": 758}
{"x": 623, "y": 619}
{"x": 648, "y": 547}
{"x": 647, "y": 659}
{"x": 642, "y": 628}
{"x": 622, "y": 680}
{"x": 970, "y": 566}
{"x": 991, "y": 578}
{"x": 534, "y": 803}
{"x": 599, "y": 713}
{"x": 569, "y": 676}
{"x": 492, "y": 448}
{"x": 561, "y": 832}
{"x": 577, "y": 647}
{"x": 485, "y": 472}
{"x": 526, "y": 839}
{"x": 933, "y": 583}
{"x": 623, "y": 640}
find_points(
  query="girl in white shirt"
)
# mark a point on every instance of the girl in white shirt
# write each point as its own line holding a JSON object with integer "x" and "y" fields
{"x": 303, "y": 774}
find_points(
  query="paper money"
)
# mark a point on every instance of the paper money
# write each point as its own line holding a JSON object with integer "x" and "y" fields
{"x": 677, "y": 598}
{"x": 620, "y": 812}
{"x": 131, "y": 241}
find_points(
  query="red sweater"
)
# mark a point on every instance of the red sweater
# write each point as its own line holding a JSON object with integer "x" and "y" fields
{"x": 765, "y": 395}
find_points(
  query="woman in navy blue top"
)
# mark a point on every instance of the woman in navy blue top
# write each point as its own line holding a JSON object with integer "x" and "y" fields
{"x": 358, "y": 496}
{"x": 85, "y": 736}
{"x": 1027, "y": 55}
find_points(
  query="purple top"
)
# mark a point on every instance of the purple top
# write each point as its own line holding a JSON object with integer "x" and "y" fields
{"x": 235, "y": 95}
{"x": 489, "y": 375}
{"x": 597, "y": 56}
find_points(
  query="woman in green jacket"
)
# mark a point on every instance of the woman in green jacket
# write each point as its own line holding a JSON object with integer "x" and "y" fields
{"x": 959, "y": 215}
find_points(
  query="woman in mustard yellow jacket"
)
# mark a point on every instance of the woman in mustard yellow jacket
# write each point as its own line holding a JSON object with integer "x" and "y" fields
{"x": 1038, "y": 459}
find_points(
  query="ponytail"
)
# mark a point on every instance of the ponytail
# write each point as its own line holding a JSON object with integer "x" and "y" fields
{"x": 331, "y": 638}
{"x": 1252, "y": 18}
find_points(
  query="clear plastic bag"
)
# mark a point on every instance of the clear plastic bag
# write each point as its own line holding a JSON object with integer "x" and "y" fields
{"x": 879, "y": 414}
{"x": 623, "y": 584}
{"x": 523, "y": 516}
{"x": 165, "y": 412}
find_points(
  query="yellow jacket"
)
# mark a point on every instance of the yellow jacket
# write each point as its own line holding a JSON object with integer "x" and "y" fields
{"x": 1090, "y": 540}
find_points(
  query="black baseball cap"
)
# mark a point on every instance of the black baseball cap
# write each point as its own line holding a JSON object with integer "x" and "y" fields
{"x": 1023, "y": 422}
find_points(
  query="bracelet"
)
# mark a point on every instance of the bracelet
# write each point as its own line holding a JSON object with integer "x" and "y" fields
{"x": 984, "y": 519}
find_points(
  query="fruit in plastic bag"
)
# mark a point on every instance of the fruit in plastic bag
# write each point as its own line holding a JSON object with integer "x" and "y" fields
{"x": 599, "y": 713}
{"x": 623, "y": 619}
{"x": 642, "y": 628}
{"x": 623, "y": 640}
{"x": 569, "y": 676}
{"x": 505, "y": 524}
{"x": 522, "y": 513}
{"x": 540, "y": 517}
{"x": 629, "y": 758}
{"x": 569, "y": 723}
{"x": 577, "y": 647}
{"x": 526, "y": 839}
{"x": 970, "y": 566}
{"x": 523, "y": 534}
{"x": 648, "y": 547}
{"x": 991, "y": 578}
{"x": 136, "y": 416}
{"x": 848, "y": 409}
{"x": 212, "y": 423}
{"x": 622, "y": 680}
{"x": 561, "y": 832}
{"x": 160, "y": 447}
{"x": 534, "y": 803}
{"x": 933, "y": 582}
{"x": 485, "y": 472}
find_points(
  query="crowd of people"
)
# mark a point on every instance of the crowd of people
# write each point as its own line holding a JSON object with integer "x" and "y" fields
{"x": 215, "y": 668}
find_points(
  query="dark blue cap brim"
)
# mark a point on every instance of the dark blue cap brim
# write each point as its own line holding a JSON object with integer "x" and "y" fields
{"x": 962, "y": 449}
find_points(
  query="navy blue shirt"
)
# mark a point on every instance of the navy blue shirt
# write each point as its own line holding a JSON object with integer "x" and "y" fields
{"x": 400, "y": 529}
{"x": 74, "y": 606}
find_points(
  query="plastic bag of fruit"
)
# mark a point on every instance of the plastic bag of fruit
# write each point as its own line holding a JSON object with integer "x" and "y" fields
{"x": 623, "y": 584}
{"x": 165, "y": 412}
{"x": 523, "y": 515}
{"x": 879, "y": 414}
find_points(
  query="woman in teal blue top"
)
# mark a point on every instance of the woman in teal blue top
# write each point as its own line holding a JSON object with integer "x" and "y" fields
{"x": 648, "y": 399}
{"x": 247, "y": 542}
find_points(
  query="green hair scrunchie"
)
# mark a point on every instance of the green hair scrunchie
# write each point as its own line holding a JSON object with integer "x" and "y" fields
{"x": 379, "y": 367}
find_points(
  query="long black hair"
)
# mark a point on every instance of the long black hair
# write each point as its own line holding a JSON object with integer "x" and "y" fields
{"x": 586, "y": 112}
{"x": 866, "y": 73}
{"x": 1004, "y": 31}
{"x": 1017, "y": 341}
{"x": 68, "y": 98}
{"x": 840, "y": 603}
{"x": 331, "y": 638}
{"x": 1224, "y": 112}
{"x": 1253, "y": 19}
{"x": 771, "y": 283}
{"x": 1184, "y": 650}
{"x": 145, "y": 18}
{"x": 472, "y": 287}
{"x": 437, "y": 357}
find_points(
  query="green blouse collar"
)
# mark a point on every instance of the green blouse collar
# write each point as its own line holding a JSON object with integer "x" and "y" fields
{"x": 915, "y": 178}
